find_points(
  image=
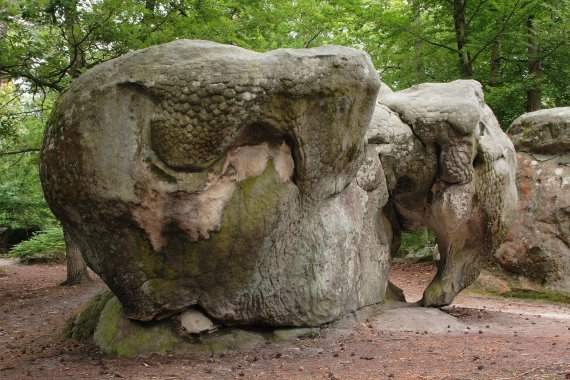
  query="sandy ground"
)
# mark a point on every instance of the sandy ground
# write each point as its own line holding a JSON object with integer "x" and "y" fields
{"x": 476, "y": 338}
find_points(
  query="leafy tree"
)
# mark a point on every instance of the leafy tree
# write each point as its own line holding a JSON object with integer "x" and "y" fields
{"x": 21, "y": 128}
{"x": 518, "y": 49}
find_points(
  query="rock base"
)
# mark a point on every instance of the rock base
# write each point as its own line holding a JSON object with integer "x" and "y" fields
{"x": 104, "y": 321}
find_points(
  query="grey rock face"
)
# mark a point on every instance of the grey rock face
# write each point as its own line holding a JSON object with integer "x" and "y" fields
{"x": 194, "y": 174}
{"x": 204, "y": 180}
{"x": 538, "y": 244}
{"x": 545, "y": 131}
{"x": 450, "y": 167}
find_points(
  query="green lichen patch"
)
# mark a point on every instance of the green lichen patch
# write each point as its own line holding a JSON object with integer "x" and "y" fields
{"x": 281, "y": 335}
{"x": 105, "y": 321}
{"x": 435, "y": 295}
{"x": 537, "y": 295}
{"x": 117, "y": 335}
{"x": 81, "y": 327}
{"x": 394, "y": 293}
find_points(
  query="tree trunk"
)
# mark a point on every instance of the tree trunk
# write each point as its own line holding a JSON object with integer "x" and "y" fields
{"x": 495, "y": 62}
{"x": 76, "y": 269}
{"x": 3, "y": 35}
{"x": 77, "y": 61}
{"x": 420, "y": 67}
{"x": 461, "y": 37}
{"x": 150, "y": 5}
{"x": 534, "y": 66}
{"x": 3, "y": 30}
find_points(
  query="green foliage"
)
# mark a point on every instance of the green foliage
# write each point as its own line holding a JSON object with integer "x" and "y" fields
{"x": 44, "y": 246}
{"x": 22, "y": 119}
{"x": 415, "y": 241}
{"x": 415, "y": 41}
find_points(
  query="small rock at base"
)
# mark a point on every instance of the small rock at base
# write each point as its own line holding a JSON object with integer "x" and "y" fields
{"x": 195, "y": 322}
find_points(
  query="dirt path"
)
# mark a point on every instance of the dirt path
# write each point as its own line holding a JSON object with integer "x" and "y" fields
{"x": 477, "y": 338}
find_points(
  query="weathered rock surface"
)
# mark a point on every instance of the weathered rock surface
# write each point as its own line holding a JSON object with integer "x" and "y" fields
{"x": 545, "y": 131}
{"x": 199, "y": 175}
{"x": 538, "y": 245}
{"x": 448, "y": 166}
{"x": 227, "y": 187}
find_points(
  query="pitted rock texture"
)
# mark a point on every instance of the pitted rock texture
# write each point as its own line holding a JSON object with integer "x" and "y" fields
{"x": 546, "y": 131}
{"x": 204, "y": 176}
{"x": 450, "y": 167}
{"x": 538, "y": 245}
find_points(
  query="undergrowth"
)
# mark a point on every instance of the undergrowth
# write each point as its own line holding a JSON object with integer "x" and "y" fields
{"x": 538, "y": 295}
{"x": 43, "y": 247}
{"x": 415, "y": 241}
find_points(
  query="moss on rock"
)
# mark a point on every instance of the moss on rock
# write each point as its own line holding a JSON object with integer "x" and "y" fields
{"x": 117, "y": 335}
{"x": 82, "y": 326}
{"x": 104, "y": 320}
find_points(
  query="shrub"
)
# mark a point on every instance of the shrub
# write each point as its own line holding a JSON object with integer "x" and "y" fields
{"x": 43, "y": 247}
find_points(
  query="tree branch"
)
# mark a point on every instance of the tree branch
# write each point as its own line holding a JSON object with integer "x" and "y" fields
{"x": 475, "y": 12}
{"x": 312, "y": 39}
{"x": 428, "y": 41}
{"x": 20, "y": 151}
{"x": 503, "y": 27}
{"x": 545, "y": 55}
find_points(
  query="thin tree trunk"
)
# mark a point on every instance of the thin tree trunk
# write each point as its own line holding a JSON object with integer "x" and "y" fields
{"x": 495, "y": 62}
{"x": 76, "y": 269}
{"x": 3, "y": 35}
{"x": 420, "y": 67}
{"x": 534, "y": 66}
{"x": 72, "y": 29}
{"x": 465, "y": 63}
{"x": 3, "y": 30}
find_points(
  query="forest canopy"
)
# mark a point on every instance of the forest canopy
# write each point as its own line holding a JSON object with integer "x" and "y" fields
{"x": 518, "y": 49}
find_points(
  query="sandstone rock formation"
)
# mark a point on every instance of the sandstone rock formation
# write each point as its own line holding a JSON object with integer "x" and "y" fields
{"x": 449, "y": 166}
{"x": 195, "y": 175}
{"x": 538, "y": 245}
{"x": 227, "y": 187}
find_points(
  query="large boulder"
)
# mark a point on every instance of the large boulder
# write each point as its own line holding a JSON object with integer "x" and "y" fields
{"x": 195, "y": 175}
{"x": 448, "y": 166}
{"x": 538, "y": 245}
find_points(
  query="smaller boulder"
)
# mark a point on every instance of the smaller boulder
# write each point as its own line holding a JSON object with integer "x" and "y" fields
{"x": 538, "y": 245}
{"x": 195, "y": 322}
{"x": 545, "y": 131}
{"x": 491, "y": 283}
